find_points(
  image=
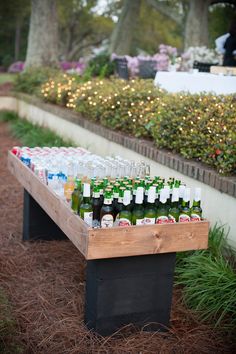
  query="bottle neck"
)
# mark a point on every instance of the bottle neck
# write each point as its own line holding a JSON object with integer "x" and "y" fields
{"x": 196, "y": 203}
{"x": 86, "y": 200}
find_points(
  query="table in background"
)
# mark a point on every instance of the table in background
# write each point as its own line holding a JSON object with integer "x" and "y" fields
{"x": 195, "y": 82}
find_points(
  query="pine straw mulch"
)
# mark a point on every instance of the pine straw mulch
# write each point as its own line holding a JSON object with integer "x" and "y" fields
{"x": 45, "y": 283}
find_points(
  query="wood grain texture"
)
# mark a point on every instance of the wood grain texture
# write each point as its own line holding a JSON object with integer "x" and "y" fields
{"x": 114, "y": 242}
{"x": 151, "y": 239}
{"x": 223, "y": 70}
{"x": 72, "y": 225}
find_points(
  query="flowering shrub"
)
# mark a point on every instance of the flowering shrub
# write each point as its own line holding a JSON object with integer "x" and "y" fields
{"x": 196, "y": 126}
{"x": 76, "y": 67}
{"x": 200, "y": 54}
{"x": 16, "y": 67}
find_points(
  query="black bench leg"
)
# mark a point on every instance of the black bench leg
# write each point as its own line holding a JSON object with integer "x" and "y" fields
{"x": 37, "y": 225}
{"x": 127, "y": 290}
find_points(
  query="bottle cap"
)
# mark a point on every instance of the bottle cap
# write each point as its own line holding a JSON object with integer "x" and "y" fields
{"x": 187, "y": 195}
{"x": 86, "y": 192}
{"x": 175, "y": 195}
{"x": 126, "y": 200}
{"x": 139, "y": 195}
{"x": 197, "y": 194}
{"x": 151, "y": 195}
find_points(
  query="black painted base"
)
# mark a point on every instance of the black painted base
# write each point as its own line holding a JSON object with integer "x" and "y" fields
{"x": 137, "y": 290}
{"x": 37, "y": 225}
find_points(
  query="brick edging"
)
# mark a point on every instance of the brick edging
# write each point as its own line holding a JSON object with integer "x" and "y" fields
{"x": 195, "y": 170}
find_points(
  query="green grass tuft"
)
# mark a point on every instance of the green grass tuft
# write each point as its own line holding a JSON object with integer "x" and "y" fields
{"x": 31, "y": 135}
{"x": 209, "y": 280}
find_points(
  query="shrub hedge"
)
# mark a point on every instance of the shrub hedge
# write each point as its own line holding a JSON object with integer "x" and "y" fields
{"x": 200, "y": 127}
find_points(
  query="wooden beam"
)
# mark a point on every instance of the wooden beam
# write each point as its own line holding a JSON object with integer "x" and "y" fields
{"x": 58, "y": 210}
{"x": 150, "y": 239}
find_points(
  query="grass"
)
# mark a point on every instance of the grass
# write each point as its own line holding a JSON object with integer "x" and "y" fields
{"x": 209, "y": 280}
{"x": 7, "y": 78}
{"x": 8, "y": 328}
{"x": 31, "y": 135}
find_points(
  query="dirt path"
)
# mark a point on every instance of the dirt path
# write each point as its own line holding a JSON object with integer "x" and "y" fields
{"x": 45, "y": 284}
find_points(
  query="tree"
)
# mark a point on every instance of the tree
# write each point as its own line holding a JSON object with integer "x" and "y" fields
{"x": 42, "y": 47}
{"x": 123, "y": 33}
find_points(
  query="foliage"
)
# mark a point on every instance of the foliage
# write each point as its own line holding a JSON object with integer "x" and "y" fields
{"x": 196, "y": 126}
{"x": 100, "y": 66}
{"x": 209, "y": 280}
{"x": 31, "y": 135}
{"x": 29, "y": 81}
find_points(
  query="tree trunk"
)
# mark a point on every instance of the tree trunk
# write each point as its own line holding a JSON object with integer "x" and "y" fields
{"x": 122, "y": 36}
{"x": 196, "y": 28}
{"x": 43, "y": 34}
{"x": 17, "y": 38}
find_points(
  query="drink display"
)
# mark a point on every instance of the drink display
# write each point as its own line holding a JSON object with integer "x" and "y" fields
{"x": 111, "y": 191}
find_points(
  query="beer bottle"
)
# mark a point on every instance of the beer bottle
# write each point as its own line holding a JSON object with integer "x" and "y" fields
{"x": 136, "y": 185}
{"x": 185, "y": 211}
{"x": 196, "y": 210}
{"x": 147, "y": 187}
{"x": 150, "y": 209}
{"x": 173, "y": 214}
{"x": 76, "y": 197}
{"x": 86, "y": 209}
{"x": 96, "y": 203}
{"x": 115, "y": 195}
{"x": 181, "y": 194}
{"x": 163, "y": 208}
{"x": 138, "y": 210}
{"x": 125, "y": 214}
{"x": 119, "y": 205}
{"x": 107, "y": 212}
{"x": 69, "y": 187}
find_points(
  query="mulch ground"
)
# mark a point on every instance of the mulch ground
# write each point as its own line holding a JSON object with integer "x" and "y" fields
{"x": 45, "y": 283}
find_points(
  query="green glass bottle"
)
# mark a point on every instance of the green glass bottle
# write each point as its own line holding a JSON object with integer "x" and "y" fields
{"x": 163, "y": 207}
{"x": 119, "y": 205}
{"x": 185, "y": 211}
{"x": 138, "y": 210}
{"x": 125, "y": 215}
{"x": 173, "y": 214}
{"x": 76, "y": 197}
{"x": 96, "y": 203}
{"x": 86, "y": 208}
{"x": 150, "y": 208}
{"x": 107, "y": 212}
{"x": 196, "y": 210}
{"x": 181, "y": 193}
{"x": 115, "y": 195}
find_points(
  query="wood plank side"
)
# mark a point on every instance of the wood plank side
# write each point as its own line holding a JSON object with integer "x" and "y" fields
{"x": 73, "y": 226}
{"x": 151, "y": 239}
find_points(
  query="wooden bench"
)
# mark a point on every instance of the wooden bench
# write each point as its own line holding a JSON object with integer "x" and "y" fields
{"x": 129, "y": 270}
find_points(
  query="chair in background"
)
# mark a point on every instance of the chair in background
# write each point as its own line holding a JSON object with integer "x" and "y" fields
{"x": 202, "y": 67}
{"x": 147, "y": 69}
{"x": 121, "y": 68}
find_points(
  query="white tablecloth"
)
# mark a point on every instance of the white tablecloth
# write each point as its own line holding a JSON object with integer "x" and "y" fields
{"x": 195, "y": 82}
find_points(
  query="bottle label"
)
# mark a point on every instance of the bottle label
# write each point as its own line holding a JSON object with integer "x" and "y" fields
{"x": 171, "y": 219}
{"x": 116, "y": 195}
{"x": 140, "y": 221}
{"x": 107, "y": 220}
{"x": 149, "y": 221}
{"x": 162, "y": 219}
{"x": 195, "y": 217}
{"x": 88, "y": 218}
{"x": 124, "y": 222}
{"x": 107, "y": 201}
{"x": 184, "y": 218}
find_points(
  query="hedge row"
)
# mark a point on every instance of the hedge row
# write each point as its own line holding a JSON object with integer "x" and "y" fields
{"x": 200, "y": 127}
